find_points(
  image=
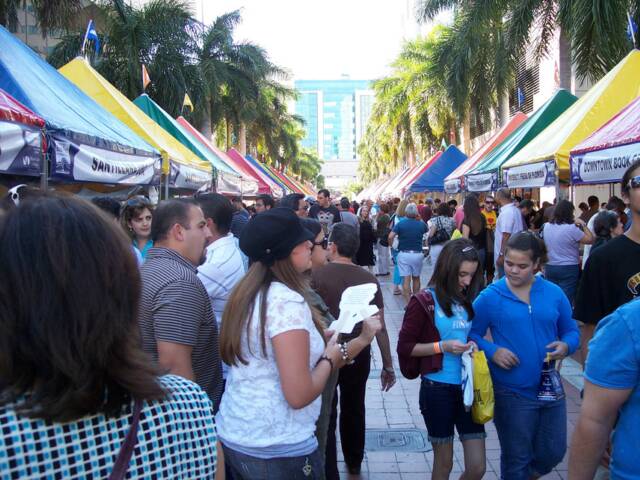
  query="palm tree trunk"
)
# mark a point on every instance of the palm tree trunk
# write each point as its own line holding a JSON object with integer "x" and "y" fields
{"x": 242, "y": 139}
{"x": 504, "y": 108}
{"x": 466, "y": 134}
{"x": 229, "y": 130}
{"x": 205, "y": 124}
{"x": 564, "y": 67}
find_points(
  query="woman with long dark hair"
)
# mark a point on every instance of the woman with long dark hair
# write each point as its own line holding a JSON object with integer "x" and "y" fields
{"x": 530, "y": 321}
{"x": 436, "y": 327}
{"x": 474, "y": 226}
{"x": 606, "y": 225}
{"x": 364, "y": 256}
{"x": 76, "y": 389}
{"x": 274, "y": 342}
{"x": 137, "y": 216}
{"x": 563, "y": 237}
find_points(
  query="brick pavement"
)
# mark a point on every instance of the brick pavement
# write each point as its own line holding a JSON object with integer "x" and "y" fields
{"x": 398, "y": 409}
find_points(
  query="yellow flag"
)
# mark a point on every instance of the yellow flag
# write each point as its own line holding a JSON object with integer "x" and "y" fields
{"x": 187, "y": 101}
{"x": 146, "y": 80}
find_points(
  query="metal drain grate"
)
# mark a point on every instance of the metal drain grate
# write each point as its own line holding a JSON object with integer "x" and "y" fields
{"x": 396, "y": 440}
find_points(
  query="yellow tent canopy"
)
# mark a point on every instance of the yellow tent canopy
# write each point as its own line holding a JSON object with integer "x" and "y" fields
{"x": 606, "y": 98}
{"x": 97, "y": 87}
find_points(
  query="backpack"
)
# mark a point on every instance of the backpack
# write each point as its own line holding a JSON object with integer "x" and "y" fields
{"x": 410, "y": 367}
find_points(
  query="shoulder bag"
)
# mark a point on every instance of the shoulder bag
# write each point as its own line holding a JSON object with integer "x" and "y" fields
{"x": 121, "y": 466}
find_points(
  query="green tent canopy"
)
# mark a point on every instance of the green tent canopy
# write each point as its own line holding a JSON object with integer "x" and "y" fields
{"x": 484, "y": 177}
{"x": 228, "y": 180}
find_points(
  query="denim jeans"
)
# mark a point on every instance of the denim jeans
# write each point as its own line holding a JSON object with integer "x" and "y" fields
{"x": 245, "y": 467}
{"x": 566, "y": 277}
{"x": 532, "y": 434}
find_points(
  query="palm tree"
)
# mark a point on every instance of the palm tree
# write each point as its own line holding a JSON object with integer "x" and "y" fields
{"x": 49, "y": 14}
{"x": 595, "y": 30}
{"x": 162, "y": 35}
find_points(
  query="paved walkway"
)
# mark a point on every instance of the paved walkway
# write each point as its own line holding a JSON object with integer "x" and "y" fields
{"x": 397, "y": 412}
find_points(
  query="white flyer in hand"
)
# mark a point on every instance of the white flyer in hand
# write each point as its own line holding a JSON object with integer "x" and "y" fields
{"x": 355, "y": 307}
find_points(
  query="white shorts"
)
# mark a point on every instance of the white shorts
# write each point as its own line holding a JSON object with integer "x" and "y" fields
{"x": 410, "y": 264}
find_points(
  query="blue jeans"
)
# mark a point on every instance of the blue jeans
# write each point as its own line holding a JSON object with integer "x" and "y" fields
{"x": 566, "y": 277}
{"x": 245, "y": 467}
{"x": 532, "y": 434}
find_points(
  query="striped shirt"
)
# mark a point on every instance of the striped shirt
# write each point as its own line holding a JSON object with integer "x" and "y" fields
{"x": 175, "y": 308}
{"x": 176, "y": 439}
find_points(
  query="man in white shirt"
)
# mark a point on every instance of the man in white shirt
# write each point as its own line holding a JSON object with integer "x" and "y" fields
{"x": 223, "y": 267}
{"x": 509, "y": 222}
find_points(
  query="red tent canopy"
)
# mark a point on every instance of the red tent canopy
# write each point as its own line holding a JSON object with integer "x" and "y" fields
{"x": 13, "y": 111}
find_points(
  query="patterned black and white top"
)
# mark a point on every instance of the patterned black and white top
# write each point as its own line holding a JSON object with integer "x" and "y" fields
{"x": 176, "y": 439}
{"x": 175, "y": 308}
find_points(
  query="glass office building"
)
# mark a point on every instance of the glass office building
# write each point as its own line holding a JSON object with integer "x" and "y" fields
{"x": 336, "y": 114}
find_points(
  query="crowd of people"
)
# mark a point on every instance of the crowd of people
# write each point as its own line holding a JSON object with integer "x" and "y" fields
{"x": 191, "y": 339}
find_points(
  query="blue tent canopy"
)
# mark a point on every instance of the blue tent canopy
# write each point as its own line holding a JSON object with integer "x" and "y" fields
{"x": 86, "y": 143}
{"x": 432, "y": 180}
{"x": 277, "y": 181}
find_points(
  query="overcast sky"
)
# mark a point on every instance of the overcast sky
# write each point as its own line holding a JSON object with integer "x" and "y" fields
{"x": 322, "y": 39}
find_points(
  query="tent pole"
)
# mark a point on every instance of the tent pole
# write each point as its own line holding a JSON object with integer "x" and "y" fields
{"x": 166, "y": 188}
{"x": 44, "y": 175}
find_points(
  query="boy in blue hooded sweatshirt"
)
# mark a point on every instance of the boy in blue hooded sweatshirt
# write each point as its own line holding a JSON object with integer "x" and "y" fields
{"x": 529, "y": 317}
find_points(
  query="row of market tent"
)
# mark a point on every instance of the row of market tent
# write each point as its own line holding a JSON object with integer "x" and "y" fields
{"x": 589, "y": 140}
{"x": 71, "y": 125}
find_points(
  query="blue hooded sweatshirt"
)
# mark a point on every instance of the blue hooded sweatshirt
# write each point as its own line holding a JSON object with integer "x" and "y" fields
{"x": 524, "y": 329}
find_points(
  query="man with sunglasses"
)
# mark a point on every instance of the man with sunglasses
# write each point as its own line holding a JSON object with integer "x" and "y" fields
{"x": 611, "y": 276}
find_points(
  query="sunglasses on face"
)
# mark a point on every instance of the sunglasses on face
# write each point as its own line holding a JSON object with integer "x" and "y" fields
{"x": 324, "y": 243}
{"x": 634, "y": 182}
{"x": 138, "y": 202}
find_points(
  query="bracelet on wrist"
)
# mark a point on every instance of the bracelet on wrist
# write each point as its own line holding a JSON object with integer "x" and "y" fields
{"x": 389, "y": 370}
{"x": 437, "y": 347}
{"x": 324, "y": 357}
{"x": 345, "y": 354}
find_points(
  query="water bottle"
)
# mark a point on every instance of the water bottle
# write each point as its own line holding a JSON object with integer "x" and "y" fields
{"x": 550, "y": 388}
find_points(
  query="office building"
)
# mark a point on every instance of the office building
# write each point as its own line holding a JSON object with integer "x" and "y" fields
{"x": 335, "y": 114}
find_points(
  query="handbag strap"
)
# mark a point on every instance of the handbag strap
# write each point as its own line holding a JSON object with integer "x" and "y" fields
{"x": 126, "y": 450}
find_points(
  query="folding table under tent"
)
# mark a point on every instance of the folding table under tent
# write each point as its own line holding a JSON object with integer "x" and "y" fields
{"x": 454, "y": 183}
{"x": 267, "y": 185}
{"x": 432, "y": 178}
{"x": 606, "y": 154}
{"x": 85, "y": 143}
{"x": 485, "y": 176}
{"x": 545, "y": 160}
{"x": 181, "y": 167}
{"x": 226, "y": 179}
{"x": 249, "y": 183}
{"x": 21, "y": 138}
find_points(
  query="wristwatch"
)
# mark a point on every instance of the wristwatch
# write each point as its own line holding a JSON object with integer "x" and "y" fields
{"x": 389, "y": 370}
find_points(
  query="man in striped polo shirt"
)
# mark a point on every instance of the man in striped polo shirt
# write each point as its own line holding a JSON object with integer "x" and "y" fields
{"x": 176, "y": 320}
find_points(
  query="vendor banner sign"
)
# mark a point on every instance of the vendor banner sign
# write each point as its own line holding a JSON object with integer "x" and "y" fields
{"x": 452, "y": 186}
{"x": 603, "y": 166}
{"x": 20, "y": 149}
{"x": 534, "y": 175}
{"x": 189, "y": 178}
{"x": 80, "y": 162}
{"x": 482, "y": 182}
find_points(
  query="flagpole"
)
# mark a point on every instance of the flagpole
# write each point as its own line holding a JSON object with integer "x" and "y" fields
{"x": 633, "y": 35}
